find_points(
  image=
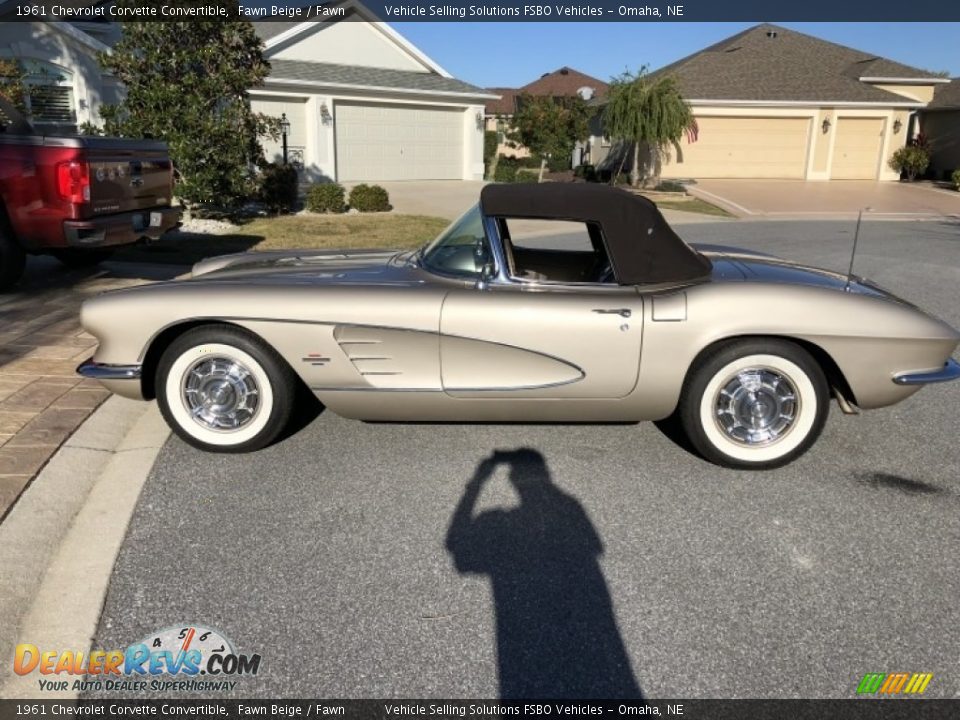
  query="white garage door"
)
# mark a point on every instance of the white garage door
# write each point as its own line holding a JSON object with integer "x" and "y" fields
{"x": 856, "y": 149}
{"x": 744, "y": 147}
{"x": 398, "y": 142}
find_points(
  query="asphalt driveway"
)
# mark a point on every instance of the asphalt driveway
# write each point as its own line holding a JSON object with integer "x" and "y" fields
{"x": 378, "y": 560}
{"x": 773, "y": 199}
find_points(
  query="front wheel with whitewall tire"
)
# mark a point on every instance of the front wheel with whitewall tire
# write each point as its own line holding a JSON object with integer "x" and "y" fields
{"x": 223, "y": 390}
{"x": 754, "y": 404}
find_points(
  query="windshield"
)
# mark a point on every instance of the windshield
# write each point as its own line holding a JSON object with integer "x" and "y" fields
{"x": 462, "y": 249}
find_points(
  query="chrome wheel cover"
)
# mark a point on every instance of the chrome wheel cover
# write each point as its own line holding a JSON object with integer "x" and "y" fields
{"x": 757, "y": 406}
{"x": 220, "y": 393}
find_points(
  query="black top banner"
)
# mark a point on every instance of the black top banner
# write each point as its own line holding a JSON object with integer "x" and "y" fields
{"x": 497, "y": 10}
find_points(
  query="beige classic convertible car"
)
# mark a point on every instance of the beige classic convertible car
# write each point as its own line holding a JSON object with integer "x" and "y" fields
{"x": 545, "y": 303}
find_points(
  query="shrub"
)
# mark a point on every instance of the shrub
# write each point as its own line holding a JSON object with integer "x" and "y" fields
{"x": 369, "y": 198}
{"x": 506, "y": 170}
{"x": 670, "y": 186}
{"x": 326, "y": 198}
{"x": 911, "y": 160}
{"x": 956, "y": 179}
{"x": 278, "y": 187}
{"x": 490, "y": 144}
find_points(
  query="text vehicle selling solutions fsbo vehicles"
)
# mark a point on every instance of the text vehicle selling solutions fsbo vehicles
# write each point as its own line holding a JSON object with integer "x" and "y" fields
{"x": 620, "y": 320}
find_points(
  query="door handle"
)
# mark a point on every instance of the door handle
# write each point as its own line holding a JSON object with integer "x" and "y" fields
{"x": 622, "y": 312}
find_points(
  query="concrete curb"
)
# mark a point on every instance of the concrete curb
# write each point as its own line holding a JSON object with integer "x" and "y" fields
{"x": 59, "y": 543}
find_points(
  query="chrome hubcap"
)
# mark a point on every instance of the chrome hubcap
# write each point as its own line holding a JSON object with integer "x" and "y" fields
{"x": 220, "y": 393}
{"x": 757, "y": 406}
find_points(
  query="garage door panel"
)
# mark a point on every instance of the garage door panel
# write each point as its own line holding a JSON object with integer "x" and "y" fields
{"x": 398, "y": 142}
{"x": 745, "y": 147}
{"x": 856, "y": 149}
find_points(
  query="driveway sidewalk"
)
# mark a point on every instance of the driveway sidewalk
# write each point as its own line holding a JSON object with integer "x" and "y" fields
{"x": 42, "y": 399}
{"x": 833, "y": 200}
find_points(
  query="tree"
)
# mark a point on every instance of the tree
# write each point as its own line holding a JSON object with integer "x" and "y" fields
{"x": 12, "y": 84}
{"x": 187, "y": 83}
{"x": 549, "y": 126}
{"x": 645, "y": 111}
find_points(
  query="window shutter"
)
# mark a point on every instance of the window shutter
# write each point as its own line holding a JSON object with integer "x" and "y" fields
{"x": 49, "y": 103}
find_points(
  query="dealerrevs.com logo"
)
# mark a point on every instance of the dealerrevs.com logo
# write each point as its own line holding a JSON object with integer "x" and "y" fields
{"x": 187, "y": 657}
{"x": 894, "y": 683}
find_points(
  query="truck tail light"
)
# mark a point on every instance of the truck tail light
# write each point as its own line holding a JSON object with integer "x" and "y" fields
{"x": 73, "y": 181}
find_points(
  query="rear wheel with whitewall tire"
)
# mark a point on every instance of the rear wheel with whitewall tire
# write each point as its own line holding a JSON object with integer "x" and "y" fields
{"x": 12, "y": 258}
{"x": 222, "y": 389}
{"x": 754, "y": 404}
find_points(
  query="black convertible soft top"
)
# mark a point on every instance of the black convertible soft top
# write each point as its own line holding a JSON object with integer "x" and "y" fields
{"x": 642, "y": 246}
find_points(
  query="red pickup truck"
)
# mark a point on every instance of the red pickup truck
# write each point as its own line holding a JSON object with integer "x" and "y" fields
{"x": 77, "y": 198}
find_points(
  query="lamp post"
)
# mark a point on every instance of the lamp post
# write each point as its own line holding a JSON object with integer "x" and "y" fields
{"x": 284, "y": 130}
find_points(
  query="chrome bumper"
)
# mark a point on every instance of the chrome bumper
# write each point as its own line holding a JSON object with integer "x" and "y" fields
{"x": 949, "y": 371}
{"x": 99, "y": 371}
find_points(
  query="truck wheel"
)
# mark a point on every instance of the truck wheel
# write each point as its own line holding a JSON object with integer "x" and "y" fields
{"x": 12, "y": 259}
{"x": 77, "y": 258}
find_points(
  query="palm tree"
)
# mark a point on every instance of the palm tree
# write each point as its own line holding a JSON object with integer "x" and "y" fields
{"x": 646, "y": 111}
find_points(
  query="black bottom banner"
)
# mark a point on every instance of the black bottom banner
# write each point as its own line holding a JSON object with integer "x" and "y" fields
{"x": 445, "y": 709}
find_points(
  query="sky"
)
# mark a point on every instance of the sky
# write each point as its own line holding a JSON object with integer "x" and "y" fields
{"x": 514, "y": 54}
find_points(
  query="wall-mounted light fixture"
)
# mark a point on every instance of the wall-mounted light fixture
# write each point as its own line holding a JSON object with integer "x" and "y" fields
{"x": 479, "y": 119}
{"x": 325, "y": 117}
{"x": 897, "y": 125}
{"x": 826, "y": 126}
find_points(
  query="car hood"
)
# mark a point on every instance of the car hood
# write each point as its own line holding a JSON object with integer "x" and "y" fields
{"x": 365, "y": 267}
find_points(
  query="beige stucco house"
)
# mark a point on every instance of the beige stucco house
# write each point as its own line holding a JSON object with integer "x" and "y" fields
{"x": 564, "y": 82}
{"x": 364, "y": 104}
{"x": 940, "y": 125}
{"x": 62, "y": 57}
{"x": 775, "y": 103}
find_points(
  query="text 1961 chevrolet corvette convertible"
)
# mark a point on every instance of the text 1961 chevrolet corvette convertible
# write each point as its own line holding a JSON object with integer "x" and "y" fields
{"x": 622, "y": 321}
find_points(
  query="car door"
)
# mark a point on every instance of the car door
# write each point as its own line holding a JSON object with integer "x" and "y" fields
{"x": 557, "y": 342}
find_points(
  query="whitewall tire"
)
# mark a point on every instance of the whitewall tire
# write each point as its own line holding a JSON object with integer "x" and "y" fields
{"x": 754, "y": 404}
{"x": 223, "y": 390}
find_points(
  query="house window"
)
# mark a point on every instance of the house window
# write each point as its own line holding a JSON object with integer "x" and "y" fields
{"x": 50, "y": 98}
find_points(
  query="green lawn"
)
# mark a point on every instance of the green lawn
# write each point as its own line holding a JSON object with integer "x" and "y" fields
{"x": 315, "y": 232}
{"x": 694, "y": 205}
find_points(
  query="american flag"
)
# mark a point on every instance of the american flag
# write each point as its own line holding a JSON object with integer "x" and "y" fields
{"x": 693, "y": 130}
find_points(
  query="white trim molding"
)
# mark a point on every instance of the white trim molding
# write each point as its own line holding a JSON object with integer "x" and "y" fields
{"x": 375, "y": 88}
{"x": 904, "y": 81}
{"x": 806, "y": 103}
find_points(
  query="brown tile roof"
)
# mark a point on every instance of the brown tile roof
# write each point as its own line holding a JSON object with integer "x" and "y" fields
{"x": 768, "y": 62}
{"x": 507, "y": 103}
{"x": 946, "y": 97}
{"x": 565, "y": 82}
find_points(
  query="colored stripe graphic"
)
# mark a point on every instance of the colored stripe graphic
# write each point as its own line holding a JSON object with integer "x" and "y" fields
{"x": 894, "y": 683}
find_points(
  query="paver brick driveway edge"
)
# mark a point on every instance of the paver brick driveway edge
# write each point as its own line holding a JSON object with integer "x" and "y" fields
{"x": 59, "y": 542}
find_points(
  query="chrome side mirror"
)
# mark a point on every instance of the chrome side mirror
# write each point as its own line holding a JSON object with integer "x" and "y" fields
{"x": 487, "y": 273}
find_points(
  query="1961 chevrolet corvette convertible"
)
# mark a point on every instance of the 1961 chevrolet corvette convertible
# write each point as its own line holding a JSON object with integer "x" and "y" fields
{"x": 616, "y": 320}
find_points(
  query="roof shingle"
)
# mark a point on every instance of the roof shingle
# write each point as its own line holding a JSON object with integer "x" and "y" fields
{"x": 947, "y": 96}
{"x": 314, "y": 72}
{"x": 772, "y": 63}
{"x": 565, "y": 82}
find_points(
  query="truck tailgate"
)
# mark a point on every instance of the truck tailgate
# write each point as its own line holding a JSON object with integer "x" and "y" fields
{"x": 126, "y": 175}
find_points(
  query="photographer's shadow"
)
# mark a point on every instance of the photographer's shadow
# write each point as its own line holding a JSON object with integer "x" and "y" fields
{"x": 556, "y": 633}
